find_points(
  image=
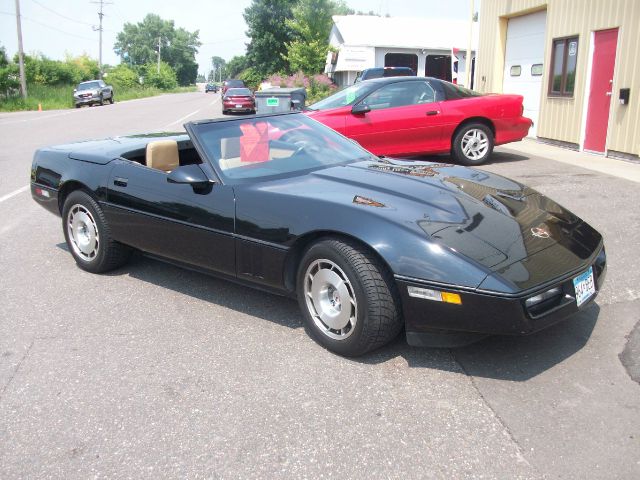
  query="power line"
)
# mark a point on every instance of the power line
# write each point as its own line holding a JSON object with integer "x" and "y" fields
{"x": 46, "y": 26}
{"x": 60, "y": 14}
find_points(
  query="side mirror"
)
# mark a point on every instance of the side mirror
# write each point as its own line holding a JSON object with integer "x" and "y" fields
{"x": 360, "y": 108}
{"x": 191, "y": 175}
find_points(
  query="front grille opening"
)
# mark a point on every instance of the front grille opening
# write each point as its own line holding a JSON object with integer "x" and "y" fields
{"x": 543, "y": 307}
{"x": 546, "y": 301}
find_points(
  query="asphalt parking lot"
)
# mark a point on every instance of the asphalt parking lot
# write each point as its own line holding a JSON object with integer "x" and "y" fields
{"x": 153, "y": 371}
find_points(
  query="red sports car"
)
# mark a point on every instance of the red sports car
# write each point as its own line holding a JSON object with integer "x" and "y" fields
{"x": 238, "y": 100}
{"x": 402, "y": 116}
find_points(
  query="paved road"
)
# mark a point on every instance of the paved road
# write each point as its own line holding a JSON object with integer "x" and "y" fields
{"x": 153, "y": 371}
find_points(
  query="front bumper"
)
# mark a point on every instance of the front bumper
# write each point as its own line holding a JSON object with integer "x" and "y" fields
{"x": 46, "y": 196}
{"x": 86, "y": 100}
{"x": 482, "y": 313}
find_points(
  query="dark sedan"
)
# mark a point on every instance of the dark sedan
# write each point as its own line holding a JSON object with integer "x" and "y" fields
{"x": 238, "y": 100}
{"x": 369, "y": 246}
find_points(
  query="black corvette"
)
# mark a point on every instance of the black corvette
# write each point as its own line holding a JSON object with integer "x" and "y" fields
{"x": 368, "y": 245}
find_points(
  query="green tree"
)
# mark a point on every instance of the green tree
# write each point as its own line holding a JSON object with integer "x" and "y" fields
{"x": 9, "y": 75}
{"x": 219, "y": 65}
{"x": 137, "y": 45}
{"x": 236, "y": 65}
{"x": 269, "y": 34}
{"x": 311, "y": 25}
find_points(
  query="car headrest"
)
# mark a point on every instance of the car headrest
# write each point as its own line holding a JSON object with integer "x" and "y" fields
{"x": 163, "y": 155}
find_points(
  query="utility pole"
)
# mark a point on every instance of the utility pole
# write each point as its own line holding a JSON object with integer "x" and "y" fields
{"x": 102, "y": 3}
{"x": 23, "y": 80}
{"x": 159, "y": 50}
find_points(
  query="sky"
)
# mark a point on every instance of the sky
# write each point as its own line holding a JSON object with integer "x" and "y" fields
{"x": 58, "y": 27}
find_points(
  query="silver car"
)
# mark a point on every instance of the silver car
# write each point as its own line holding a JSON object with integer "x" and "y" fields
{"x": 92, "y": 92}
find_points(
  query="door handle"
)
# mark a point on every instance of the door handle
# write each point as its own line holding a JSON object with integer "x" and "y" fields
{"x": 433, "y": 112}
{"x": 608, "y": 94}
{"x": 120, "y": 182}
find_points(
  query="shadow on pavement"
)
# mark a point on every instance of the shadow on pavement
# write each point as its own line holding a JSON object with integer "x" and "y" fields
{"x": 496, "y": 157}
{"x": 504, "y": 358}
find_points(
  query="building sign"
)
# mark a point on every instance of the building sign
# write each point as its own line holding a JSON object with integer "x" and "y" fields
{"x": 355, "y": 59}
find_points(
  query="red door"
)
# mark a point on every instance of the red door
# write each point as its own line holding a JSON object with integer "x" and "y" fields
{"x": 604, "y": 59}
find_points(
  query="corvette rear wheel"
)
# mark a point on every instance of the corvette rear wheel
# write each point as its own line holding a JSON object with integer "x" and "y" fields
{"x": 473, "y": 144}
{"x": 88, "y": 236}
{"x": 348, "y": 298}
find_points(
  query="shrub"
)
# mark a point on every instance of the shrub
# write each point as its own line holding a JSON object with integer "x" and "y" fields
{"x": 166, "y": 79}
{"x": 44, "y": 71}
{"x": 122, "y": 77}
{"x": 318, "y": 86}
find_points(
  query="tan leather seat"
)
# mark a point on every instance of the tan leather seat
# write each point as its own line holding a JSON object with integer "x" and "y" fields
{"x": 230, "y": 153}
{"x": 163, "y": 155}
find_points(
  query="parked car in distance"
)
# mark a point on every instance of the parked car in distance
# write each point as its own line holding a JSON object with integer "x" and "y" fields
{"x": 238, "y": 100}
{"x": 404, "y": 116}
{"x": 227, "y": 84}
{"x": 370, "y": 246}
{"x": 383, "y": 72}
{"x": 93, "y": 92}
{"x": 211, "y": 87}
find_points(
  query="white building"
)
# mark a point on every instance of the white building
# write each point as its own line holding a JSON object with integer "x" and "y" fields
{"x": 423, "y": 44}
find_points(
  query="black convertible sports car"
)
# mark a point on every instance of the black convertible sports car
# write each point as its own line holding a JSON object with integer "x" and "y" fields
{"x": 368, "y": 245}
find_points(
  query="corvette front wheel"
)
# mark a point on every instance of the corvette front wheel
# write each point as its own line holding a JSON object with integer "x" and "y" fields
{"x": 348, "y": 298}
{"x": 88, "y": 236}
{"x": 472, "y": 144}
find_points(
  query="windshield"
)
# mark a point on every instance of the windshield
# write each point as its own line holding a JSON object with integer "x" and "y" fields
{"x": 239, "y": 91}
{"x": 345, "y": 97}
{"x": 263, "y": 148}
{"x": 88, "y": 85}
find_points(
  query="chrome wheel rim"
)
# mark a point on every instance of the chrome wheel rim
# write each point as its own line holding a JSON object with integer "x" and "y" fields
{"x": 475, "y": 144}
{"x": 83, "y": 233}
{"x": 330, "y": 298}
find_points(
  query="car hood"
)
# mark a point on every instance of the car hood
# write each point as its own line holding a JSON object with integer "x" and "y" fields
{"x": 489, "y": 219}
{"x": 92, "y": 91}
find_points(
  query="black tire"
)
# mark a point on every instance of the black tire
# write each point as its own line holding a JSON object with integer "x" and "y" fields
{"x": 477, "y": 140}
{"x": 101, "y": 100}
{"x": 112, "y": 100}
{"x": 376, "y": 308}
{"x": 224, "y": 112}
{"x": 107, "y": 254}
{"x": 77, "y": 106}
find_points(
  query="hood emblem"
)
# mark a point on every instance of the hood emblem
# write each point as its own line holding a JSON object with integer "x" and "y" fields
{"x": 540, "y": 232}
{"x": 367, "y": 201}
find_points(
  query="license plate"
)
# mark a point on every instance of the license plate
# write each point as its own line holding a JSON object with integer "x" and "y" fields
{"x": 584, "y": 286}
{"x": 238, "y": 106}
